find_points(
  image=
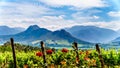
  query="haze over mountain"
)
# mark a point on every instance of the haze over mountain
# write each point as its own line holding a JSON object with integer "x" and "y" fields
{"x": 5, "y": 30}
{"x": 34, "y": 32}
{"x": 116, "y": 40}
{"x": 93, "y": 34}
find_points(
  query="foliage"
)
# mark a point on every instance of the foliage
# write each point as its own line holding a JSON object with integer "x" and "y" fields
{"x": 33, "y": 57}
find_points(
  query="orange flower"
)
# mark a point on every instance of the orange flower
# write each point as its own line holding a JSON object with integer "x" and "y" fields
{"x": 81, "y": 52}
{"x": 94, "y": 61}
{"x": 25, "y": 66}
{"x": 87, "y": 59}
{"x": 52, "y": 66}
{"x": 63, "y": 62}
{"x": 87, "y": 52}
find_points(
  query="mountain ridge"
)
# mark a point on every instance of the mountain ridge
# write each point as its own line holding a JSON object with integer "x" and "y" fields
{"x": 92, "y": 34}
{"x": 34, "y": 32}
{"x": 5, "y": 30}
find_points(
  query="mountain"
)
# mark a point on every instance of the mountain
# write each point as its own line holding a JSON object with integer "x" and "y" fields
{"x": 34, "y": 32}
{"x": 92, "y": 34}
{"x": 118, "y": 30}
{"x": 5, "y": 30}
{"x": 117, "y": 39}
{"x": 61, "y": 35}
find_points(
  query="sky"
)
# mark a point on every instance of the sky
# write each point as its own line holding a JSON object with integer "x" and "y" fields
{"x": 58, "y": 14}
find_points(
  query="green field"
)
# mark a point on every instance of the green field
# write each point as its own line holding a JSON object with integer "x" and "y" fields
{"x": 27, "y": 56}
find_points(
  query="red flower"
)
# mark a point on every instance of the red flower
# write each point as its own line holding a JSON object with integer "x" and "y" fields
{"x": 39, "y": 54}
{"x": 49, "y": 51}
{"x": 64, "y": 50}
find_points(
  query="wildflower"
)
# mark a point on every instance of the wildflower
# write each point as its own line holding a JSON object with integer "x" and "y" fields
{"x": 81, "y": 52}
{"x": 87, "y": 59}
{"x": 25, "y": 66}
{"x": 63, "y": 62}
{"x": 52, "y": 66}
{"x": 39, "y": 54}
{"x": 64, "y": 50}
{"x": 49, "y": 51}
{"x": 77, "y": 60}
{"x": 93, "y": 62}
{"x": 87, "y": 52}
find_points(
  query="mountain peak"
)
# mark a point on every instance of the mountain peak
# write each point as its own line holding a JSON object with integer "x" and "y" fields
{"x": 62, "y": 30}
{"x": 3, "y": 27}
{"x": 33, "y": 27}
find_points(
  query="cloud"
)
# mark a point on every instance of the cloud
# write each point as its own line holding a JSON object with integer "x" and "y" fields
{"x": 49, "y": 22}
{"x": 23, "y": 10}
{"x": 58, "y": 22}
{"x": 83, "y": 4}
{"x": 114, "y": 25}
{"x": 85, "y": 16}
{"x": 114, "y": 14}
{"x": 24, "y": 14}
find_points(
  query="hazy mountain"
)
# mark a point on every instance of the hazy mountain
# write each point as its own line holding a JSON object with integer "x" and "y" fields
{"x": 36, "y": 33}
{"x": 118, "y": 32}
{"x": 62, "y": 35}
{"x": 117, "y": 39}
{"x": 5, "y": 30}
{"x": 92, "y": 33}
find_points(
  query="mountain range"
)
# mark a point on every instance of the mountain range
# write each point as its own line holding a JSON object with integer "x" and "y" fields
{"x": 34, "y": 32}
{"x": 117, "y": 40}
{"x": 93, "y": 34}
{"x": 81, "y": 34}
{"x": 5, "y": 30}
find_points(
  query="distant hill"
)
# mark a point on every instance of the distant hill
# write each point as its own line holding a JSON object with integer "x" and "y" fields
{"x": 92, "y": 34}
{"x": 34, "y": 32}
{"x": 116, "y": 40}
{"x": 5, "y": 30}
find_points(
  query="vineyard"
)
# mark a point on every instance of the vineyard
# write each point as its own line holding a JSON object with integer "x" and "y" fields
{"x": 31, "y": 57}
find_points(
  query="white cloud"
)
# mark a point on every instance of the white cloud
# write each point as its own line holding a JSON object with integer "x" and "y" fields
{"x": 57, "y": 22}
{"x": 25, "y": 14}
{"x": 75, "y": 3}
{"x": 96, "y": 17}
{"x": 114, "y": 25}
{"x": 84, "y": 17}
{"x": 49, "y": 22}
{"x": 20, "y": 10}
{"x": 114, "y": 13}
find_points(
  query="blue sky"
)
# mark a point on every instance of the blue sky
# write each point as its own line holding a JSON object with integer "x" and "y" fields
{"x": 57, "y": 14}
